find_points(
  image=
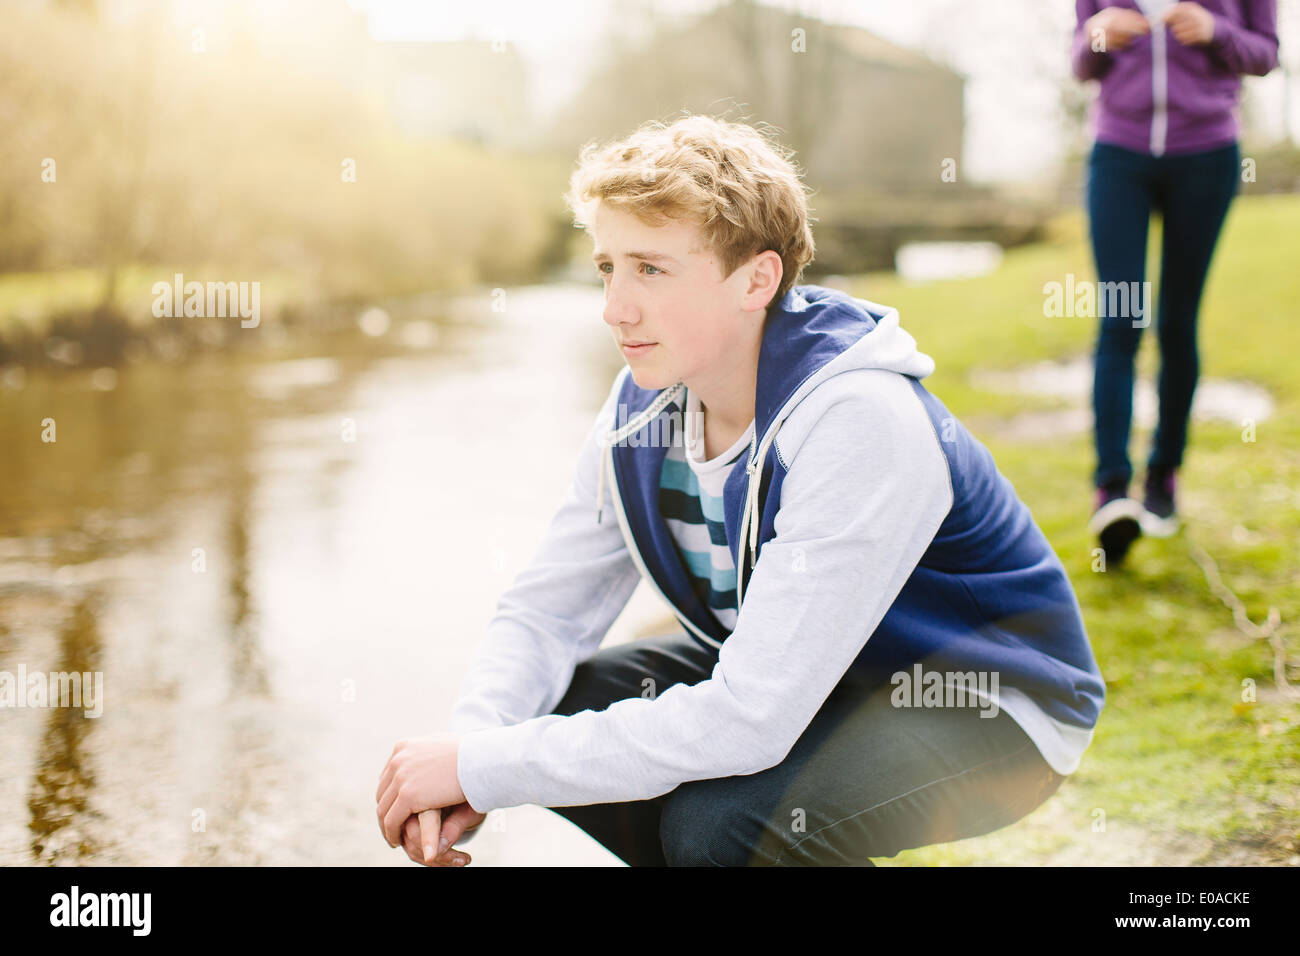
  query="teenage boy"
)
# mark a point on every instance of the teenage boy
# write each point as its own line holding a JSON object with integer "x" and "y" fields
{"x": 879, "y": 647}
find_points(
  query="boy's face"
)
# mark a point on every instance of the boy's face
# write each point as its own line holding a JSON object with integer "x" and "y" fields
{"x": 663, "y": 287}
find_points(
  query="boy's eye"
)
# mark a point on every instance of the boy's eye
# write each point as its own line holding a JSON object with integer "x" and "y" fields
{"x": 600, "y": 268}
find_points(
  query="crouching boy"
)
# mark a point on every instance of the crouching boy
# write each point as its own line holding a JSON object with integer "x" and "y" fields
{"x": 878, "y": 647}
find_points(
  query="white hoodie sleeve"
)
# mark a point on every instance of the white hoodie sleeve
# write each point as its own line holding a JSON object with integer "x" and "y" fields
{"x": 866, "y": 491}
{"x": 557, "y": 610}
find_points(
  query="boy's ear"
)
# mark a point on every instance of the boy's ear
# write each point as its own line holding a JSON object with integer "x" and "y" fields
{"x": 766, "y": 270}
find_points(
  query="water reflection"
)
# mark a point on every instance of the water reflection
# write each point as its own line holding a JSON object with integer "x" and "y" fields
{"x": 59, "y": 802}
{"x": 281, "y": 564}
{"x": 247, "y": 671}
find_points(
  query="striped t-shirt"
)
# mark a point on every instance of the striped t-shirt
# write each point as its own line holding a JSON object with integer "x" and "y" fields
{"x": 690, "y": 500}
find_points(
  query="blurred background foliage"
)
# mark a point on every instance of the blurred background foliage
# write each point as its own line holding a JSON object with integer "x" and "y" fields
{"x": 129, "y": 155}
{"x": 282, "y": 142}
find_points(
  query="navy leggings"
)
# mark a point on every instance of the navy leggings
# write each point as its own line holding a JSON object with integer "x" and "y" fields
{"x": 1192, "y": 192}
{"x": 865, "y": 779}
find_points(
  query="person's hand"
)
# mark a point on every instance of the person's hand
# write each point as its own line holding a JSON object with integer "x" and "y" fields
{"x": 1118, "y": 26}
{"x": 1190, "y": 23}
{"x": 420, "y": 775}
{"x": 420, "y": 836}
{"x": 459, "y": 820}
{"x": 431, "y": 841}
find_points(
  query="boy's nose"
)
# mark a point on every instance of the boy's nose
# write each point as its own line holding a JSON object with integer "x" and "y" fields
{"x": 618, "y": 310}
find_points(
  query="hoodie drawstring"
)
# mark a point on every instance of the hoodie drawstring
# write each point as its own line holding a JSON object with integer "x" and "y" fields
{"x": 600, "y": 484}
{"x": 749, "y": 519}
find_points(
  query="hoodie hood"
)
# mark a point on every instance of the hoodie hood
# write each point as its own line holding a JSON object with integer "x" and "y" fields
{"x": 813, "y": 333}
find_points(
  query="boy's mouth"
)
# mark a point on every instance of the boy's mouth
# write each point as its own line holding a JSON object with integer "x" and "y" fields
{"x": 636, "y": 348}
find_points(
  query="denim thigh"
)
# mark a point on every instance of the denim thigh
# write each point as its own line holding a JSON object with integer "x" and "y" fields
{"x": 864, "y": 779}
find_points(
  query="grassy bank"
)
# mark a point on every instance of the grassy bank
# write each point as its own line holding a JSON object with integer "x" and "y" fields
{"x": 1182, "y": 770}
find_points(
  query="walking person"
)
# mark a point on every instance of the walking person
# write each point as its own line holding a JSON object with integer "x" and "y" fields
{"x": 1165, "y": 134}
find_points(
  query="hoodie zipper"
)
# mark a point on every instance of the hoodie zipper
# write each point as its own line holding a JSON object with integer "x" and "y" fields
{"x": 1159, "y": 86}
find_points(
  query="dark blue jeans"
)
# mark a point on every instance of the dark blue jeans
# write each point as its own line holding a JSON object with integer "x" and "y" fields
{"x": 865, "y": 779}
{"x": 1192, "y": 193}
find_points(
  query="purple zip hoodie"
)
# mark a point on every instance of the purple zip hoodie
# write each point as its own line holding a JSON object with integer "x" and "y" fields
{"x": 1160, "y": 97}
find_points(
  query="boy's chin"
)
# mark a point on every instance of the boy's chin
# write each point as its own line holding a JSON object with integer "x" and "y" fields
{"x": 649, "y": 378}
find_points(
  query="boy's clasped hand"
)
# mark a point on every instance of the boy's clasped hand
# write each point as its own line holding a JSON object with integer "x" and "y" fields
{"x": 421, "y": 806}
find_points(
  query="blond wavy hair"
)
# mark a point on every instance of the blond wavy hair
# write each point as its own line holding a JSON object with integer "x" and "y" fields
{"x": 741, "y": 188}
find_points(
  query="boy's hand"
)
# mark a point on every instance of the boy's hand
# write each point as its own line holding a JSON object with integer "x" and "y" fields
{"x": 421, "y": 839}
{"x": 459, "y": 820}
{"x": 419, "y": 775}
{"x": 1190, "y": 23}
{"x": 1118, "y": 26}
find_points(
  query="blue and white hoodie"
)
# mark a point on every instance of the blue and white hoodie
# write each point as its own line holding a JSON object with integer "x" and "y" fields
{"x": 871, "y": 531}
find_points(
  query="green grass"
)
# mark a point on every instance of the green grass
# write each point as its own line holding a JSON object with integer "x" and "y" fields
{"x": 31, "y": 298}
{"x": 1183, "y": 770}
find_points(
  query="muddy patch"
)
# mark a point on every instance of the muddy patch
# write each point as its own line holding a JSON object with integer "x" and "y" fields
{"x": 1221, "y": 400}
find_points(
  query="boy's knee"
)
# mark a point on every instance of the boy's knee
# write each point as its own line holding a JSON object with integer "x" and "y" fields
{"x": 699, "y": 827}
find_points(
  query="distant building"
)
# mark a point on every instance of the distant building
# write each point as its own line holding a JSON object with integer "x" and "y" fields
{"x": 861, "y": 112}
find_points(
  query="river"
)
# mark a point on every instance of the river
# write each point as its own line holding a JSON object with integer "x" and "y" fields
{"x": 280, "y": 562}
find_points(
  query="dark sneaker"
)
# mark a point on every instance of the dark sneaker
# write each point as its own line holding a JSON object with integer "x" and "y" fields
{"x": 1117, "y": 520}
{"x": 1159, "y": 519}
